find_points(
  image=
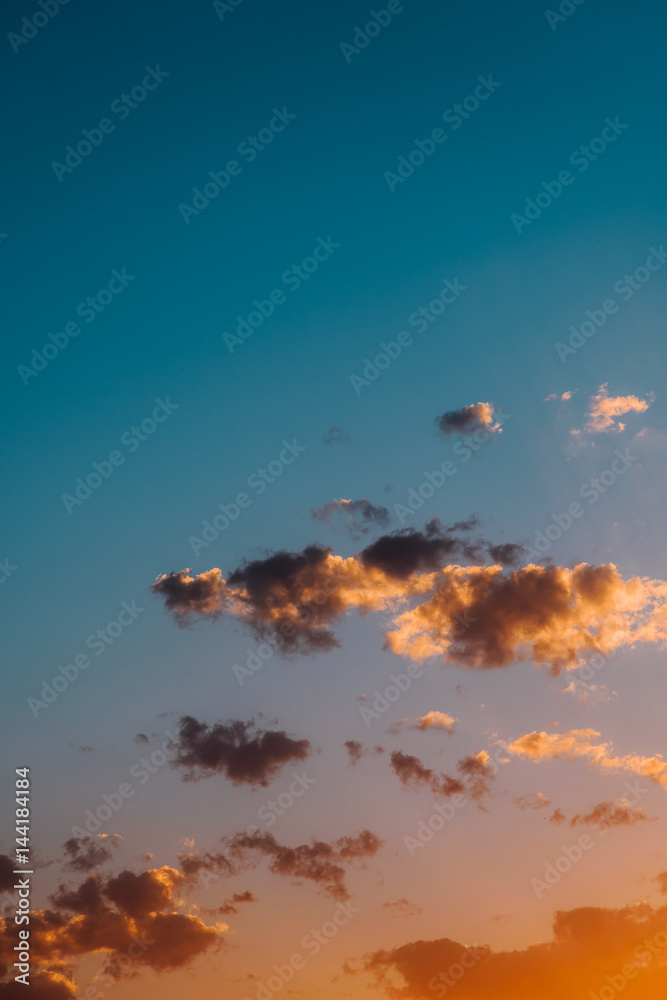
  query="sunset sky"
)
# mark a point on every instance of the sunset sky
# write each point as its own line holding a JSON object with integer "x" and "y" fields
{"x": 334, "y": 447}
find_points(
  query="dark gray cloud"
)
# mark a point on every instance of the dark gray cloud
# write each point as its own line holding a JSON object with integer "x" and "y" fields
{"x": 238, "y": 750}
{"x": 319, "y": 862}
{"x": 408, "y": 550}
{"x": 85, "y": 854}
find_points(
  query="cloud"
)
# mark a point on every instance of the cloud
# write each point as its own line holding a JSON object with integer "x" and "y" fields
{"x": 336, "y": 435}
{"x": 108, "y": 915}
{"x": 536, "y": 800}
{"x": 475, "y": 770}
{"x": 578, "y": 744}
{"x": 438, "y": 720}
{"x": 588, "y": 945}
{"x": 407, "y": 551}
{"x": 318, "y": 862}
{"x": 84, "y": 854}
{"x": 6, "y": 873}
{"x": 557, "y": 817}
{"x": 357, "y": 750}
{"x": 290, "y": 599}
{"x": 479, "y": 773}
{"x": 608, "y": 814}
{"x": 467, "y": 420}
{"x": 564, "y": 397}
{"x": 507, "y": 553}
{"x": 194, "y": 864}
{"x": 228, "y": 907}
{"x": 603, "y": 408}
{"x": 187, "y": 595}
{"x": 432, "y": 720}
{"x": 479, "y": 617}
{"x": 358, "y": 516}
{"x": 43, "y": 986}
{"x": 239, "y": 750}
{"x": 402, "y": 908}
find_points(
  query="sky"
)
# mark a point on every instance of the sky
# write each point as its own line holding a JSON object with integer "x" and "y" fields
{"x": 332, "y": 529}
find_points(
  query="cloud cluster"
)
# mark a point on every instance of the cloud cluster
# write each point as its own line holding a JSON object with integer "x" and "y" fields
{"x": 319, "y": 862}
{"x": 474, "y": 770}
{"x": 85, "y": 854}
{"x": 43, "y": 986}
{"x": 230, "y": 905}
{"x": 564, "y": 397}
{"x": 579, "y": 744}
{"x": 553, "y": 614}
{"x": 238, "y": 750}
{"x": 467, "y": 420}
{"x": 109, "y": 915}
{"x": 588, "y": 945}
{"x": 614, "y": 813}
{"x": 357, "y": 516}
{"x": 478, "y": 616}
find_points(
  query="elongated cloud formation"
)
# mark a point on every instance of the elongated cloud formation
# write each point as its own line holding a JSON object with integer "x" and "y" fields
{"x": 475, "y": 769}
{"x": 589, "y": 944}
{"x": 229, "y": 906}
{"x": 480, "y": 617}
{"x": 603, "y": 408}
{"x": 318, "y": 862}
{"x": 432, "y": 720}
{"x": 405, "y": 552}
{"x": 239, "y": 750}
{"x": 467, "y": 420}
{"x": 106, "y": 916}
{"x": 358, "y": 516}
{"x": 536, "y": 800}
{"x": 43, "y": 986}
{"x": 614, "y": 813}
{"x": 578, "y": 744}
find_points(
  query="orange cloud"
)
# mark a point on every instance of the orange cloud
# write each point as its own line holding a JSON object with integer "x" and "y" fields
{"x": 129, "y": 917}
{"x": 578, "y": 743}
{"x": 592, "y": 949}
{"x": 432, "y": 720}
{"x": 479, "y": 617}
{"x": 604, "y": 408}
